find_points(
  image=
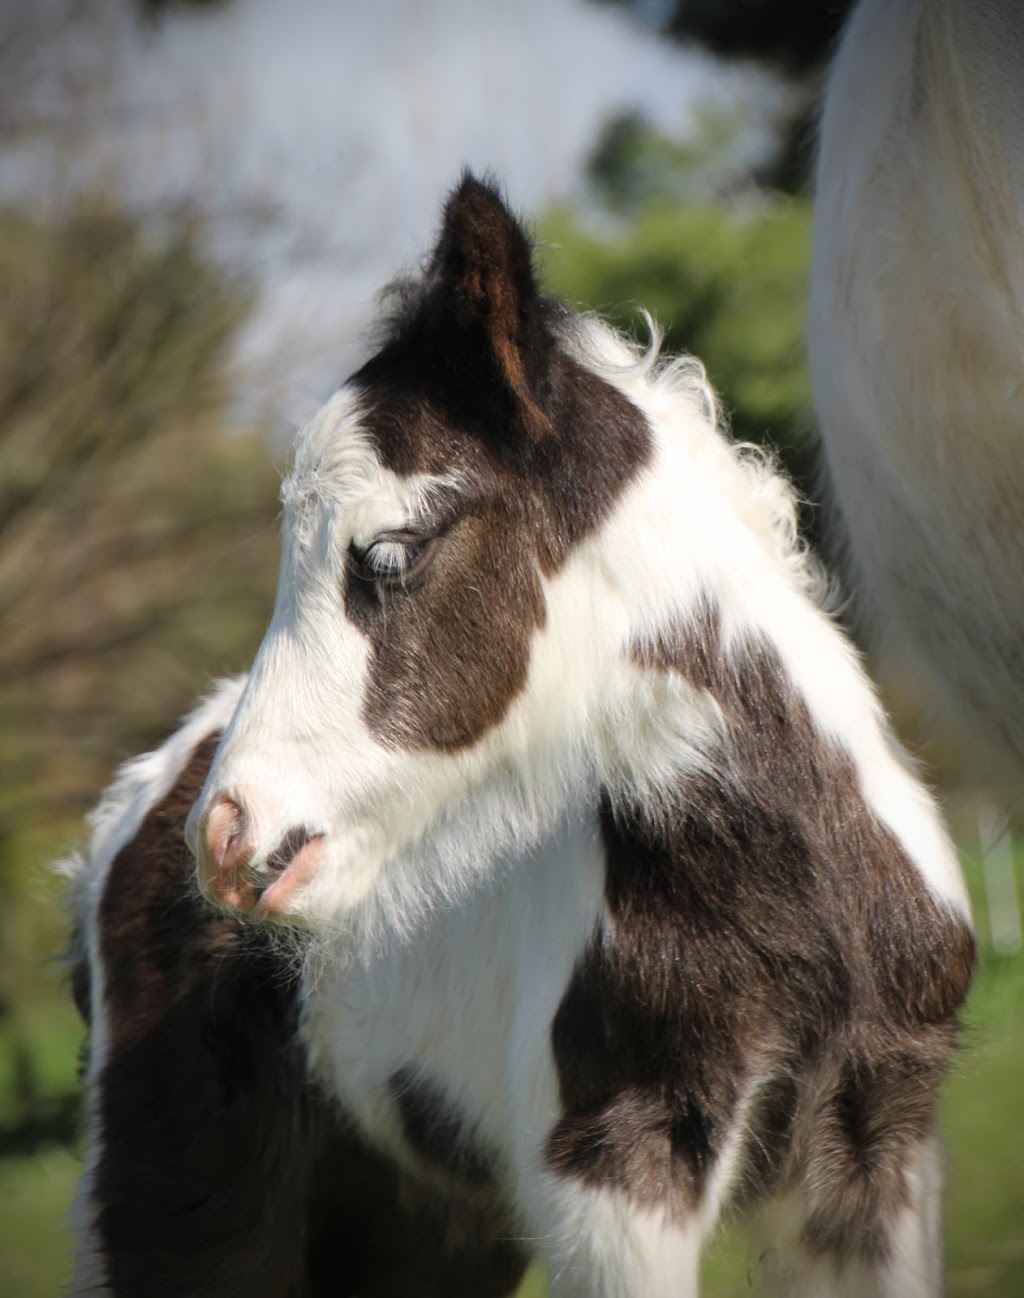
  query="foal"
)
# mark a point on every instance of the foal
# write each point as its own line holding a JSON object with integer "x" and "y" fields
{"x": 619, "y": 907}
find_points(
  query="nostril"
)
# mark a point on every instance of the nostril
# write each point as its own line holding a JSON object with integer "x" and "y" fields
{"x": 234, "y": 872}
{"x": 282, "y": 857}
{"x": 297, "y": 858}
{"x": 290, "y": 846}
{"x": 227, "y": 835}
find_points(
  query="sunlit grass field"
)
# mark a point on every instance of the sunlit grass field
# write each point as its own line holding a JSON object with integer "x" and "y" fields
{"x": 983, "y": 1128}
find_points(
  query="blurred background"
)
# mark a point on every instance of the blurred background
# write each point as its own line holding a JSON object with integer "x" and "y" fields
{"x": 198, "y": 204}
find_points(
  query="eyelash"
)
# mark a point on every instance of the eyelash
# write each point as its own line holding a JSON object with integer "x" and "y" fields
{"x": 392, "y": 560}
{"x": 387, "y": 559}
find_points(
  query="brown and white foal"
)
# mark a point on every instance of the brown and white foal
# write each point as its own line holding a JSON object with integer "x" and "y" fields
{"x": 614, "y": 905}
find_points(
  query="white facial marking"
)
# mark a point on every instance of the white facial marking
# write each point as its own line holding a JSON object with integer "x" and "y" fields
{"x": 299, "y": 752}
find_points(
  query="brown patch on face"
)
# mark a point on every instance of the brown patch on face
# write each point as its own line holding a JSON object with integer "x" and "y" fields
{"x": 450, "y": 655}
{"x": 470, "y": 373}
{"x": 222, "y": 1170}
{"x": 765, "y": 928}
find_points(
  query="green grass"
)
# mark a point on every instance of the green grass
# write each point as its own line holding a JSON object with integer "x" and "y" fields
{"x": 35, "y": 1244}
{"x": 983, "y": 1125}
{"x": 39, "y": 1167}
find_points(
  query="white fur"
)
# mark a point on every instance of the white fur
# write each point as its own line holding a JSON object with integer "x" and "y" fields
{"x": 486, "y": 969}
{"x": 596, "y": 1243}
{"x": 916, "y": 338}
{"x": 914, "y": 1269}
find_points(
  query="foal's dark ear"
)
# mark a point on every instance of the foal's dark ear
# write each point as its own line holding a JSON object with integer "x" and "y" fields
{"x": 482, "y": 276}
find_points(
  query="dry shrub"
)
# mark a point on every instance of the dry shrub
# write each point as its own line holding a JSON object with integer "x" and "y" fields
{"x": 137, "y": 537}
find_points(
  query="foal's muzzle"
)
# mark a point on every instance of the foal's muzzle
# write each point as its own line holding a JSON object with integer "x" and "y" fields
{"x": 231, "y": 869}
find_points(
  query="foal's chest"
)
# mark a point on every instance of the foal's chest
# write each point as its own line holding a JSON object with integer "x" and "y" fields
{"x": 439, "y": 1047}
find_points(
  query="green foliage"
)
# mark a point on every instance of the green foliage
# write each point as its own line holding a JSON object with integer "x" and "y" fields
{"x": 633, "y": 166}
{"x": 728, "y": 286}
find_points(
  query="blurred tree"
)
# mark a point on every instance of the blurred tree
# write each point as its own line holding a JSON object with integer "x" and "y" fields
{"x": 632, "y": 165}
{"x": 727, "y": 284}
{"x": 136, "y": 538}
{"x": 796, "y": 37}
{"x": 137, "y": 555}
{"x": 793, "y": 35}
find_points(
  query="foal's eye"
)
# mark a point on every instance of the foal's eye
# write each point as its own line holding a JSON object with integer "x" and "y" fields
{"x": 392, "y": 559}
{"x": 386, "y": 560}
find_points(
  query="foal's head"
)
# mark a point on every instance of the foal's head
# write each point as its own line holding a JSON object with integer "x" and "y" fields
{"x": 460, "y": 551}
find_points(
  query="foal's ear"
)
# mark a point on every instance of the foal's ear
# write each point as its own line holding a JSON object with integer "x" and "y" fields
{"x": 482, "y": 275}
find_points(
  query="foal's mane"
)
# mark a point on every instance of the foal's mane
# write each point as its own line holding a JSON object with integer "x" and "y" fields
{"x": 669, "y": 390}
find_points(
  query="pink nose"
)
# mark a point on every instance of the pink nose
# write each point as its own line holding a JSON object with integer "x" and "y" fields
{"x": 226, "y": 848}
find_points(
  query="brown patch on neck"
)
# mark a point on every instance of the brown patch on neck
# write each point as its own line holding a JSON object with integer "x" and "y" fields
{"x": 791, "y": 774}
{"x": 765, "y": 925}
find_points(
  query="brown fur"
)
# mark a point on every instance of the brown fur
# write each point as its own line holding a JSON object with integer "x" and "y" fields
{"x": 436, "y": 1132}
{"x": 767, "y": 926}
{"x": 485, "y": 259}
{"x": 472, "y": 376}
